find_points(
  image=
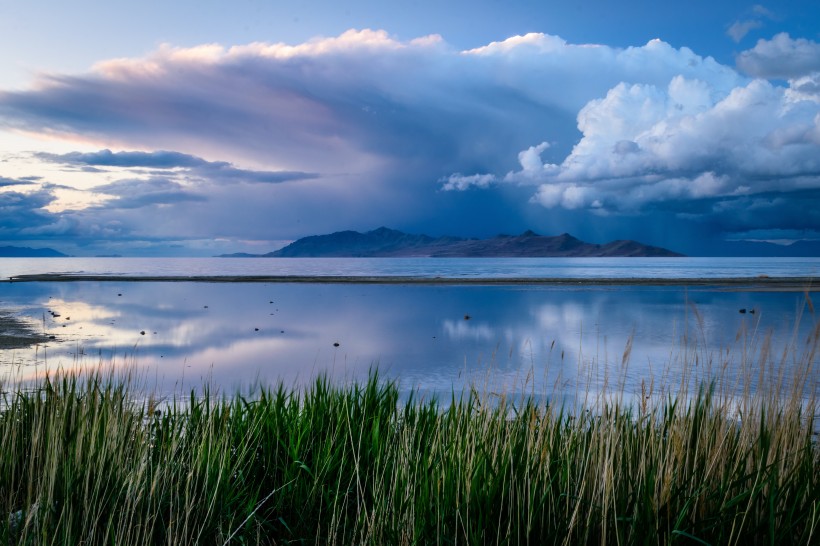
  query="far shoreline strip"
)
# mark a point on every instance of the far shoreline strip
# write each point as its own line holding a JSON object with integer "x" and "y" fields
{"x": 790, "y": 284}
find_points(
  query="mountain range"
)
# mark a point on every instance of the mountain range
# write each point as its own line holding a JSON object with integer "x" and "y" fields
{"x": 384, "y": 242}
{"x": 26, "y": 252}
{"x": 390, "y": 242}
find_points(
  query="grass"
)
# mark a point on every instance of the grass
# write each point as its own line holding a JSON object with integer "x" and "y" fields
{"x": 95, "y": 460}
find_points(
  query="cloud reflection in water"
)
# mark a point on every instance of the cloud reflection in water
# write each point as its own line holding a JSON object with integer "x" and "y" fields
{"x": 234, "y": 334}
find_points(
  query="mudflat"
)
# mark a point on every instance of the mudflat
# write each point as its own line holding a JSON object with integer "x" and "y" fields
{"x": 760, "y": 283}
{"x": 17, "y": 334}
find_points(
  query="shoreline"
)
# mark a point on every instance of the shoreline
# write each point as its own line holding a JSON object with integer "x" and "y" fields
{"x": 778, "y": 284}
{"x": 15, "y": 333}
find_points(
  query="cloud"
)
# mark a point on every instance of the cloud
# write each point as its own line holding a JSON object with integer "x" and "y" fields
{"x": 213, "y": 171}
{"x": 12, "y": 202}
{"x": 23, "y": 181}
{"x": 643, "y": 145}
{"x": 140, "y": 193}
{"x": 739, "y": 29}
{"x": 224, "y": 172}
{"x": 362, "y": 102}
{"x": 460, "y": 182}
{"x": 373, "y": 128}
{"x": 532, "y": 168}
{"x": 106, "y": 158}
{"x": 762, "y": 11}
{"x": 772, "y": 211}
{"x": 805, "y": 88}
{"x": 26, "y": 217}
{"x": 782, "y": 57}
{"x": 24, "y": 212}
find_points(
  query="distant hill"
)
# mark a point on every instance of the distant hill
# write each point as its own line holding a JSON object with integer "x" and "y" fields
{"x": 762, "y": 249}
{"x": 384, "y": 242}
{"x": 26, "y": 252}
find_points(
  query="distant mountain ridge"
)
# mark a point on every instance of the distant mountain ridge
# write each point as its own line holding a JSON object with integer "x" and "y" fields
{"x": 764, "y": 249}
{"x": 385, "y": 242}
{"x": 26, "y": 252}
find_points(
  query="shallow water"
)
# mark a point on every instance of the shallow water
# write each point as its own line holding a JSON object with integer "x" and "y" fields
{"x": 423, "y": 267}
{"x": 433, "y": 338}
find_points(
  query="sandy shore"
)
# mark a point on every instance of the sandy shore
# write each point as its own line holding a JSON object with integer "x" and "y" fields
{"x": 778, "y": 284}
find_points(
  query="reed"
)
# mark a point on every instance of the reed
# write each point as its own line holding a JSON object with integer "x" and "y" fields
{"x": 95, "y": 460}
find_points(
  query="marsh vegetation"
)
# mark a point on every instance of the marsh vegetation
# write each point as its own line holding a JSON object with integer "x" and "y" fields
{"x": 95, "y": 460}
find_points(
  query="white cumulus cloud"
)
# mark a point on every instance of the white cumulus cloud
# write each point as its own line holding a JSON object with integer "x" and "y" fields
{"x": 461, "y": 182}
{"x": 644, "y": 144}
{"x": 781, "y": 57}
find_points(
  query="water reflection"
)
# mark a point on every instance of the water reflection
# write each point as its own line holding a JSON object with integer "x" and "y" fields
{"x": 435, "y": 338}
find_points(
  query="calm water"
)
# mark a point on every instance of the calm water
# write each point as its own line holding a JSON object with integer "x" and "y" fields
{"x": 436, "y": 338}
{"x": 424, "y": 267}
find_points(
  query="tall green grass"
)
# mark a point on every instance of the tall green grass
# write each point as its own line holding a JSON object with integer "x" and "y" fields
{"x": 96, "y": 461}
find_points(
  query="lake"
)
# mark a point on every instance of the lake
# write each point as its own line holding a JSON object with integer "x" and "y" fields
{"x": 581, "y": 268}
{"x": 434, "y": 338}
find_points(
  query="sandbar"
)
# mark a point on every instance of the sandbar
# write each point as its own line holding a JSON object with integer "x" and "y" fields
{"x": 760, "y": 283}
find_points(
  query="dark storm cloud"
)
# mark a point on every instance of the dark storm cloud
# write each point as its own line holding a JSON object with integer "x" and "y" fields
{"x": 12, "y": 202}
{"x": 799, "y": 211}
{"x": 25, "y": 214}
{"x": 399, "y": 131}
{"x": 25, "y": 217}
{"x": 213, "y": 171}
{"x": 129, "y": 194}
{"x": 350, "y": 104}
{"x": 22, "y": 181}
{"x": 106, "y": 158}
{"x": 225, "y": 172}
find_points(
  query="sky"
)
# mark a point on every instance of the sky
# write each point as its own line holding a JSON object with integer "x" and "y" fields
{"x": 195, "y": 128}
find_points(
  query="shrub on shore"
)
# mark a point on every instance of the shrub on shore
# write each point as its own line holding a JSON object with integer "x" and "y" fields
{"x": 96, "y": 461}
